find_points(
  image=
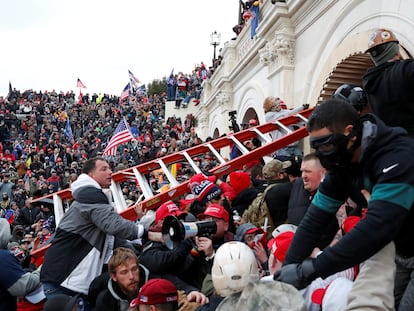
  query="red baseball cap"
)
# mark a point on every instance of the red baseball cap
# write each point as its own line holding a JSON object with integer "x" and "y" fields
{"x": 215, "y": 210}
{"x": 280, "y": 245}
{"x": 155, "y": 291}
{"x": 166, "y": 209}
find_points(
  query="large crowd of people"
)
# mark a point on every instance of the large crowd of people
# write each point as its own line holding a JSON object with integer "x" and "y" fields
{"x": 329, "y": 230}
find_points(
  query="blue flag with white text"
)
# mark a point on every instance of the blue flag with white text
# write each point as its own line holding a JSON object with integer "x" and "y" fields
{"x": 68, "y": 131}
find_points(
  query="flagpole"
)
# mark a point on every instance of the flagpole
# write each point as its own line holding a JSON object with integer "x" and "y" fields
{"x": 129, "y": 91}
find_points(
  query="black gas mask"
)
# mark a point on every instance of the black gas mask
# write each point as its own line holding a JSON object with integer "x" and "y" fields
{"x": 332, "y": 150}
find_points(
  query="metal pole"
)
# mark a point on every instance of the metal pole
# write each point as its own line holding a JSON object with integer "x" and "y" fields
{"x": 214, "y": 55}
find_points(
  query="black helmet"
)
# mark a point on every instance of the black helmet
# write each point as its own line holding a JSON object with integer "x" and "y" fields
{"x": 352, "y": 94}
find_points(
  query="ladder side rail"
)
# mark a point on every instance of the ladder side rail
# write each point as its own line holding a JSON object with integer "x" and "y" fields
{"x": 157, "y": 200}
{"x": 63, "y": 194}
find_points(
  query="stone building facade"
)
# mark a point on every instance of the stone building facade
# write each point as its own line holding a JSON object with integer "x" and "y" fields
{"x": 302, "y": 52}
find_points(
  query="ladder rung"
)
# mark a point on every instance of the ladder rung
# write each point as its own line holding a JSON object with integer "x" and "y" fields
{"x": 264, "y": 139}
{"x": 167, "y": 172}
{"x": 215, "y": 152}
{"x": 302, "y": 118}
{"x": 284, "y": 128}
{"x": 58, "y": 208}
{"x": 191, "y": 162}
{"x": 119, "y": 200}
{"x": 143, "y": 183}
{"x": 239, "y": 145}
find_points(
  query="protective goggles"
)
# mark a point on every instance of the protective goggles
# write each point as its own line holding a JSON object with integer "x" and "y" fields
{"x": 328, "y": 144}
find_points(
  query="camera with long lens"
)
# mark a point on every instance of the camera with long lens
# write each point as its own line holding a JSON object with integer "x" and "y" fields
{"x": 234, "y": 126}
{"x": 174, "y": 230}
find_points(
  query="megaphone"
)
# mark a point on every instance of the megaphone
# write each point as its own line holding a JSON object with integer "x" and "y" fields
{"x": 174, "y": 230}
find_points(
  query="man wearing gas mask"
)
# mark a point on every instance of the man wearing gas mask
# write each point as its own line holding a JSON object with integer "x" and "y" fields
{"x": 359, "y": 152}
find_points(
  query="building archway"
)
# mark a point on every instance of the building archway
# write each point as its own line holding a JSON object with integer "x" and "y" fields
{"x": 250, "y": 114}
{"x": 216, "y": 133}
{"x": 349, "y": 70}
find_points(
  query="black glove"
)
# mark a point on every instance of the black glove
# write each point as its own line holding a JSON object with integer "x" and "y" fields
{"x": 305, "y": 106}
{"x": 299, "y": 275}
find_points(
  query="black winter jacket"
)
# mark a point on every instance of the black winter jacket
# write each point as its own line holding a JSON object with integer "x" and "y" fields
{"x": 299, "y": 203}
{"x": 390, "y": 91}
{"x": 387, "y": 172}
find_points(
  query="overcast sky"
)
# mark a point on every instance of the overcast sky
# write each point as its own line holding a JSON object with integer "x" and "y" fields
{"x": 48, "y": 44}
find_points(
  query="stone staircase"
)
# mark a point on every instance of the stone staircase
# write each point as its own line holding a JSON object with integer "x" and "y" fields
{"x": 182, "y": 112}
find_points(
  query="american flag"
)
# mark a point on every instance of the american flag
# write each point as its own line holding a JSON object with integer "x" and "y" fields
{"x": 134, "y": 80}
{"x": 142, "y": 91}
{"x": 122, "y": 134}
{"x": 125, "y": 93}
{"x": 80, "y": 84}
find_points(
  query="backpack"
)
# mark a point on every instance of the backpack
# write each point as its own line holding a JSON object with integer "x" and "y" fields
{"x": 258, "y": 211}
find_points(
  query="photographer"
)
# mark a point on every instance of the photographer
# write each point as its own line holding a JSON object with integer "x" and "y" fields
{"x": 234, "y": 128}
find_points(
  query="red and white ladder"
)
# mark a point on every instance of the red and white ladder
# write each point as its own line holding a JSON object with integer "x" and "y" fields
{"x": 140, "y": 173}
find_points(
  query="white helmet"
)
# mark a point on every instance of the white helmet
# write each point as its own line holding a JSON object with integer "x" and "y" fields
{"x": 284, "y": 228}
{"x": 234, "y": 267}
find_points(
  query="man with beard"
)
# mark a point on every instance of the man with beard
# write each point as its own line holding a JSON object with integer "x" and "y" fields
{"x": 363, "y": 153}
{"x": 115, "y": 289}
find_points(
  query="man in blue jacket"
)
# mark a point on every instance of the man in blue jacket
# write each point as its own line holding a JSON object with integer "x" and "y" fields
{"x": 14, "y": 281}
